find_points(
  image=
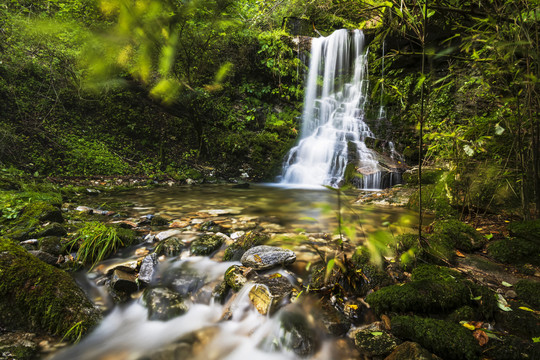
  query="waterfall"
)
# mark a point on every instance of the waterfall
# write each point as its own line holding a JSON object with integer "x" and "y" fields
{"x": 333, "y": 132}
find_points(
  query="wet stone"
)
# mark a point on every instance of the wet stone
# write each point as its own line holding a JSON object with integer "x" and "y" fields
{"x": 269, "y": 293}
{"x": 375, "y": 342}
{"x": 148, "y": 268}
{"x": 53, "y": 229}
{"x": 206, "y": 244}
{"x": 335, "y": 322}
{"x": 51, "y": 245}
{"x": 170, "y": 247}
{"x": 163, "y": 303}
{"x": 264, "y": 257}
{"x": 44, "y": 256}
{"x": 167, "y": 234}
{"x": 124, "y": 282}
{"x": 237, "y": 276}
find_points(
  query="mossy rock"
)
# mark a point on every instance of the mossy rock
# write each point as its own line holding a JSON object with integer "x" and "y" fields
{"x": 53, "y": 229}
{"x": 211, "y": 226}
{"x": 237, "y": 276}
{"x": 206, "y": 244}
{"x": 172, "y": 246}
{"x": 529, "y": 292}
{"x": 519, "y": 322}
{"x": 159, "y": 221}
{"x": 163, "y": 303}
{"x": 515, "y": 251}
{"x": 434, "y": 289}
{"x": 428, "y": 176}
{"x": 528, "y": 230}
{"x": 35, "y": 296}
{"x": 42, "y": 211}
{"x": 464, "y": 313}
{"x": 512, "y": 348}
{"x": 128, "y": 236}
{"x": 459, "y": 235}
{"x": 446, "y": 339}
{"x": 375, "y": 343}
{"x": 51, "y": 244}
{"x": 250, "y": 239}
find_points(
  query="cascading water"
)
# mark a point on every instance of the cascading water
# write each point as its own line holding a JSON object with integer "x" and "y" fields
{"x": 333, "y": 130}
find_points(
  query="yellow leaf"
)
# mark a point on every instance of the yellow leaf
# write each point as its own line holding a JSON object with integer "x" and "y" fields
{"x": 469, "y": 326}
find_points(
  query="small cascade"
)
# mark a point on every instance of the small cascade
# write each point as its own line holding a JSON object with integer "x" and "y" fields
{"x": 333, "y": 133}
{"x": 382, "y": 112}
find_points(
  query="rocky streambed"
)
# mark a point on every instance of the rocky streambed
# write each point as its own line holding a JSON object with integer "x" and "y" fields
{"x": 223, "y": 283}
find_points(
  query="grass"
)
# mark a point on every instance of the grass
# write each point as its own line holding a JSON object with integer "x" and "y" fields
{"x": 96, "y": 241}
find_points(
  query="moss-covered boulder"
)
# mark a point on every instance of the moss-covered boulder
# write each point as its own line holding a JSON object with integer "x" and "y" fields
{"x": 158, "y": 221}
{"x": 250, "y": 239}
{"x": 411, "y": 351}
{"x": 52, "y": 229}
{"x": 528, "y": 230}
{"x": 512, "y": 348}
{"x": 51, "y": 245}
{"x": 458, "y": 235}
{"x": 42, "y": 211}
{"x": 519, "y": 321}
{"x": 529, "y": 292}
{"x": 433, "y": 289}
{"x": 375, "y": 343}
{"x": 446, "y": 339}
{"x": 36, "y": 296}
{"x": 206, "y": 244}
{"x": 515, "y": 251}
{"x": 172, "y": 246}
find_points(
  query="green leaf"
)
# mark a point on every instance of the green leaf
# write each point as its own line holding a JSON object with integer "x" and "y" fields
{"x": 376, "y": 333}
{"x": 477, "y": 298}
{"x": 536, "y": 339}
{"x": 329, "y": 267}
{"x": 506, "y": 284}
{"x": 498, "y": 129}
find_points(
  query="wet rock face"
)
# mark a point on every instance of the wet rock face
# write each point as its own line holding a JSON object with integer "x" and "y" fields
{"x": 171, "y": 246}
{"x": 163, "y": 303}
{"x": 269, "y": 293}
{"x": 124, "y": 282}
{"x": 148, "y": 268}
{"x": 237, "y": 276}
{"x": 265, "y": 257}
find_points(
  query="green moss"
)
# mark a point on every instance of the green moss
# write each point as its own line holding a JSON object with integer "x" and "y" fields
{"x": 464, "y": 313}
{"x": 527, "y": 230}
{"x": 159, "y": 221}
{"x": 170, "y": 247}
{"x": 42, "y": 211}
{"x": 206, "y": 244}
{"x": 428, "y": 177}
{"x": 378, "y": 344}
{"x": 443, "y": 338}
{"x": 514, "y": 251}
{"x": 459, "y": 235}
{"x": 36, "y": 296}
{"x": 519, "y": 322}
{"x": 250, "y": 239}
{"x": 434, "y": 289}
{"x": 512, "y": 348}
{"x": 529, "y": 292}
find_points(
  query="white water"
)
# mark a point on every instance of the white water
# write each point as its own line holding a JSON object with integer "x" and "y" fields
{"x": 201, "y": 333}
{"x": 333, "y": 130}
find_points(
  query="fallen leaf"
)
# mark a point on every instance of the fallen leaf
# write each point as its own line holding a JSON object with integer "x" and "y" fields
{"x": 467, "y": 325}
{"x": 481, "y": 337}
{"x": 506, "y": 284}
{"x": 376, "y": 333}
{"x": 459, "y": 253}
{"x": 536, "y": 339}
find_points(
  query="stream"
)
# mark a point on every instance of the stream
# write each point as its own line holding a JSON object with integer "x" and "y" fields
{"x": 232, "y": 328}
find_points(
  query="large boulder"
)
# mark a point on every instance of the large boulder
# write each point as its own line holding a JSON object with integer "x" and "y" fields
{"x": 35, "y": 296}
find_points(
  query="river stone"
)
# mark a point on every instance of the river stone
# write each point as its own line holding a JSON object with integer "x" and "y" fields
{"x": 53, "y": 229}
{"x": 375, "y": 342}
{"x": 44, "y": 256}
{"x": 269, "y": 292}
{"x": 163, "y": 303}
{"x": 129, "y": 266}
{"x": 124, "y": 281}
{"x": 298, "y": 334}
{"x": 411, "y": 351}
{"x": 206, "y": 244}
{"x": 51, "y": 245}
{"x": 335, "y": 322}
{"x": 170, "y": 247}
{"x": 264, "y": 257}
{"x": 167, "y": 234}
{"x": 148, "y": 268}
{"x": 211, "y": 226}
{"x": 237, "y": 276}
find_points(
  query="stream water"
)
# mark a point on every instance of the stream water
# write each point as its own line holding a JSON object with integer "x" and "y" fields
{"x": 233, "y": 329}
